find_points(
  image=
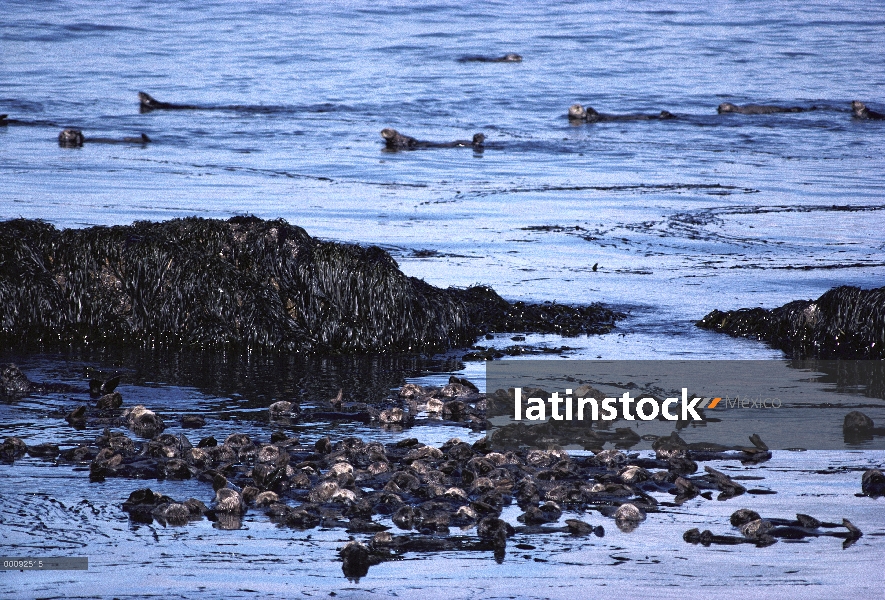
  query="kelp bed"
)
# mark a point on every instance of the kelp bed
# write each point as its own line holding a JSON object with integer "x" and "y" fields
{"x": 845, "y": 322}
{"x": 244, "y": 282}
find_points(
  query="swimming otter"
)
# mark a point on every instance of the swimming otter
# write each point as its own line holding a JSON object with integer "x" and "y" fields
{"x": 857, "y": 427}
{"x": 477, "y": 141}
{"x": 12, "y": 448}
{"x": 70, "y": 138}
{"x": 144, "y": 505}
{"x": 496, "y": 530}
{"x": 147, "y": 103}
{"x": 578, "y": 527}
{"x": 628, "y": 517}
{"x": 872, "y": 483}
{"x": 282, "y": 409}
{"x": 859, "y": 110}
{"x": 228, "y": 500}
{"x": 192, "y": 421}
{"x": 6, "y": 120}
{"x": 856, "y": 422}
{"x": 588, "y": 114}
{"x": 394, "y": 140}
{"x": 355, "y": 560}
{"x": 765, "y": 532}
{"x": 74, "y": 138}
{"x": 757, "y": 109}
{"x": 144, "y": 422}
{"x": 13, "y": 381}
{"x": 509, "y": 57}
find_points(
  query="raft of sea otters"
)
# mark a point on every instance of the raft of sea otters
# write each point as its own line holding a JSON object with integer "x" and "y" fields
{"x": 446, "y": 498}
{"x": 250, "y": 283}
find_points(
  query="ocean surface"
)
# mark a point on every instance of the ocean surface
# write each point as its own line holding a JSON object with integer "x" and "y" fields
{"x": 664, "y": 220}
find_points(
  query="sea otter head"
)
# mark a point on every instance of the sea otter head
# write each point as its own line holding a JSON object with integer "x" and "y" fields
{"x": 726, "y": 107}
{"x": 478, "y": 139}
{"x": 388, "y": 133}
{"x": 146, "y": 99}
{"x": 511, "y": 57}
{"x": 858, "y": 108}
{"x": 576, "y": 111}
{"x": 71, "y": 138}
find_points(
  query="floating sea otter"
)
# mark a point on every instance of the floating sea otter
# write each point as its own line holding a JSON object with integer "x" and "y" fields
{"x": 859, "y": 110}
{"x": 149, "y": 103}
{"x": 397, "y": 141}
{"x": 5, "y": 120}
{"x": 509, "y": 57}
{"x": 764, "y": 532}
{"x": 758, "y": 109}
{"x": 74, "y": 138}
{"x": 576, "y": 112}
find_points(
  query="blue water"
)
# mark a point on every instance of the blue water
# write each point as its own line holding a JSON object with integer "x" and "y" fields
{"x": 681, "y": 217}
{"x": 309, "y": 87}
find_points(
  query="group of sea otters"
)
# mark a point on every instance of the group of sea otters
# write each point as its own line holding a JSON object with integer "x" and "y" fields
{"x": 578, "y": 113}
{"x": 440, "y": 498}
{"x": 393, "y": 140}
{"x": 425, "y": 490}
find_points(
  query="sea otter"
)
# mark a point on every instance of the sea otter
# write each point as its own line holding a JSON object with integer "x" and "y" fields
{"x": 149, "y": 103}
{"x": 143, "y": 421}
{"x": 13, "y": 381}
{"x": 872, "y": 483}
{"x": 757, "y": 109}
{"x": 71, "y": 138}
{"x": 74, "y": 138}
{"x": 588, "y": 114}
{"x": 477, "y": 141}
{"x": 509, "y": 57}
{"x": 5, "y": 120}
{"x": 859, "y": 110}
{"x": 394, "y": 140}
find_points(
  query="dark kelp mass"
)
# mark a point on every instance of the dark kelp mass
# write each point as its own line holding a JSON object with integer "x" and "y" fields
{"x": 244, "y": 282}
{"x": 846, "y": 322}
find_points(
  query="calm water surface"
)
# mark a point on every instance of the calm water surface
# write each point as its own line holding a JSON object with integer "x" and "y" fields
{"x": 680, "y": 217}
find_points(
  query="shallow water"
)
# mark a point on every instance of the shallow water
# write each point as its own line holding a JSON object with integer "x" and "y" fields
{"x": 50, "y": 509}
{"x": 680, "y": 217}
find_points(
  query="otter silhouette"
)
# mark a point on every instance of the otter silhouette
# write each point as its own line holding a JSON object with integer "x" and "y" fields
{"x": 588, "y": 114}
{"x": 6, "y": 120}
{"x": 509, "y": 57}
{"x": 71, "y": 138}
{"x": 74, "y": 138}
{"x": 758, "y": 109}
{"x": 149, "y": 103}
{"x": 859, "y": 110}
{"x": 394, "y": 140}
